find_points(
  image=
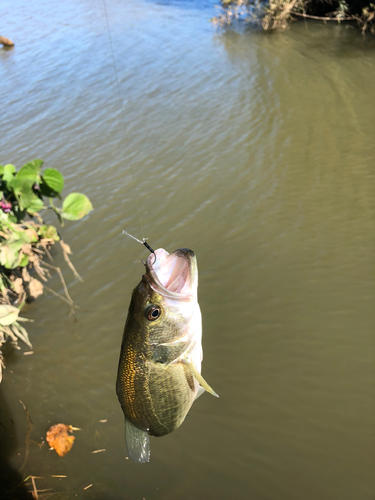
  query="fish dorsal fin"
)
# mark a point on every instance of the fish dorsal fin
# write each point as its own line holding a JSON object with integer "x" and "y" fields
{"x": 137, "y": 443}
{"x": 199, "y": 377}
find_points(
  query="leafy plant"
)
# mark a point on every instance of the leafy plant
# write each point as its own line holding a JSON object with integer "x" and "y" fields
{"x": 25, "y": 239}
{"x": 277, "y": 14}
{"x": 367, "y": 20}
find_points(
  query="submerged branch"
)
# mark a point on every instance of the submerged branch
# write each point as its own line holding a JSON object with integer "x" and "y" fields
{"x": 58, "y": 270}
{"x": 30, "y": 427}
{"x": 319, "y": 18}
{"x": 66, "y": 250}
{"x": 58, "y": 295}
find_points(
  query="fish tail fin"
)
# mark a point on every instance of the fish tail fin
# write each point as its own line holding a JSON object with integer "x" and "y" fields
{"x": 137, "y": 443}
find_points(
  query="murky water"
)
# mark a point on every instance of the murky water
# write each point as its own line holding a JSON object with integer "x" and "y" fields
{"x": 255, "y": 150}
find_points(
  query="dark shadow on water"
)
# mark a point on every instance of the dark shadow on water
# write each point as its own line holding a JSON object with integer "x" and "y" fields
{"x": 312, "y": 39}
{"x": 11, "y": 481}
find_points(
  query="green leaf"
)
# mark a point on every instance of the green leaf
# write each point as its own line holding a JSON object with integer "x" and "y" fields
{"x": 76, "y": 206}
{"x": 30, "y": 171}
{"x": 21, "y": 332}
{"x": 35, "y": 205}
{"x": 35, "y": 164}
{"x": 22, "y": 189}
{"x": 53, "y": 179}
{"x": 8, "y": 314}
{"x": 27, "y": 174}
{"x": 12, "y": 218}
{"x": 47, "y": 191}
{"x": 3, "y": 286}
{"x": 9, "y": 256}
{"x": 23, "y": 235}
{"x": 24, "y": 260}
{"x": 49, "y": 232}
{"x": 9, "y": 167}
{"x": 1, "y": 169}
{"x": 19, "y": 184}
{"x": 9, "y": 170}
{"x": 3, "y": 216}
{"x": 31, "y": 233}
{"x": 25, "y": 195}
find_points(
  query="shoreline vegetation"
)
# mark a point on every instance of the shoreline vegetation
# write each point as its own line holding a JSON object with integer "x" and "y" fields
{"x": 26, "y": 240}
{"x": 276, "y": 15}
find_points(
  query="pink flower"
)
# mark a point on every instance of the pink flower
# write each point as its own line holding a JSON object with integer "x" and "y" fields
{"x": 5, "y": 206}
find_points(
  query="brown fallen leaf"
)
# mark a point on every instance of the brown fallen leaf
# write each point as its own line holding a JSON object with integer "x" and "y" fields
{"x": 60, "y": 438}
{"x": 6, "y": 41}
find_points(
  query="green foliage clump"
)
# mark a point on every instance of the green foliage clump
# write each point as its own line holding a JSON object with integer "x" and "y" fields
{"x": 25, "y": 239}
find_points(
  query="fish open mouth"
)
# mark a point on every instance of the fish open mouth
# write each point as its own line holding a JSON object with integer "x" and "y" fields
{"x": 173, "y": 274}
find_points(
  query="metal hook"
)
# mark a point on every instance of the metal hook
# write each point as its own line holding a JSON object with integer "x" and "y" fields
{"x": 148, "y": 246}
{"x": 144, "y": 242}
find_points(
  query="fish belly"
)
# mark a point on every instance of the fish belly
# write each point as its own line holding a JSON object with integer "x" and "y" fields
{"x": 155, "y": 397}
{"x": 172, "y": 390}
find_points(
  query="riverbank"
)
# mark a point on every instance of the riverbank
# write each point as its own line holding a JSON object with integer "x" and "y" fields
{"x": 278, "y": 14}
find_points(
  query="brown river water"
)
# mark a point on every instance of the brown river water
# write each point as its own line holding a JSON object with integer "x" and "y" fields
{"x": 255, "y": 150}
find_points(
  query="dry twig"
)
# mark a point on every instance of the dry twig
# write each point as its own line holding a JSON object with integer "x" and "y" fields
{"x": 30, "y": 427}
{"x": 35, "y": 491}
{"x": 351, "y": 18}
{"x": 66, "y": 250}
{"x": 58, "y": 270}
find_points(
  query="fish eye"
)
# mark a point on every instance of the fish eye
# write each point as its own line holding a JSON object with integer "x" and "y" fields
{"x": 153, "y": 313}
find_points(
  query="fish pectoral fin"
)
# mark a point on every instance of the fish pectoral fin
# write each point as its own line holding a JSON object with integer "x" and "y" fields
{"x": 199, "y": 378}
{"x": 181, "y": 340}
{"x": 137, "y": 443}
{"x": 201, "y": 390}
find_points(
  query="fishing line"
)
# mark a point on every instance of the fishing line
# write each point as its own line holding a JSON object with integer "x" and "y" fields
{"x": 123, "y": 123}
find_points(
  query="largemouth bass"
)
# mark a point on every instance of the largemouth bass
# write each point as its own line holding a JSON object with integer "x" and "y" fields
{"x": 161, "y": 352}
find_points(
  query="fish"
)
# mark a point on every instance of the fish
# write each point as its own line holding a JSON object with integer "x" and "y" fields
{"x": 159, "y": 373}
